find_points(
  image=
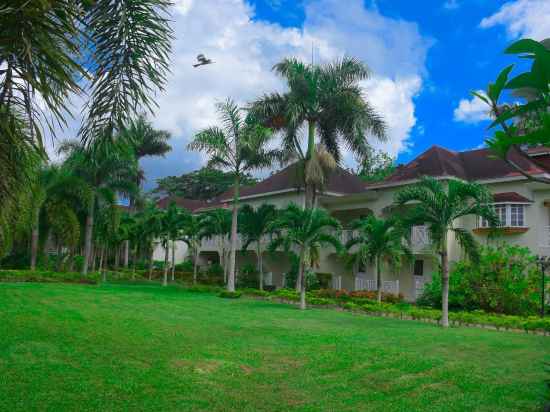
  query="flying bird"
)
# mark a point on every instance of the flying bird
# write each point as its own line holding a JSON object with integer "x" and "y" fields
{"x": 202, "y": 61}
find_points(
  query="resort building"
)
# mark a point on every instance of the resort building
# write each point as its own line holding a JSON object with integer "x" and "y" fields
{"x": 523, "y": 207}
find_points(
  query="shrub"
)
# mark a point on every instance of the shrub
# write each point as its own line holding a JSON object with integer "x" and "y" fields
{"x": 204, "y": 289}
{"x": 255, "y": 292}
{"x": 230, "y": 295}
{"x": 373, "y": 296}
{"x": 287, "y": 294}
{"x": 505, "y": 280}
{"x": 213, "y": 275}
{"x": 248, "y": 277}
{"x": 320, "y": 301}
{"x": 185, "y": 266}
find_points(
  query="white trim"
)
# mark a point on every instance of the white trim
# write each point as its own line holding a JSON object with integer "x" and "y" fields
{"x": 277, "y": 192}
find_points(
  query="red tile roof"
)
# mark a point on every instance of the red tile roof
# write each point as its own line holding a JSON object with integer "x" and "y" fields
{"x": 510, "y": 197}
{"x": 477, "y": 164}
{"x": 188, "y": 204}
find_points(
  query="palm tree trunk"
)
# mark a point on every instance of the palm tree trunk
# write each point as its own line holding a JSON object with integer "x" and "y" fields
{"x": 151, "y": 261}
{"x": 117, "y": 257}
{"x": 195, "y": 265}
{"x": 34, "y": 238}
{"x": 71, "y": 260}
{"x": 260, "y": 266}
{"x": 378, "y": 280}
{"x": 88, "y": 236}
{"x": 444, "y": 285}
{"x": 233, "y": 253}
{"x": 94, "y": 257}
{"x": 166, "y": 255}
{"x": 59, "y": 258}
{"x": 309, "y": 189}
{"x": 302, "y": 282}
{"x": 173, "y": 259}
{"x": 126, "y": 253}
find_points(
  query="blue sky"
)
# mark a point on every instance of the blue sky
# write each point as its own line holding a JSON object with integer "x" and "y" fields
{"x": 426, "y": 57}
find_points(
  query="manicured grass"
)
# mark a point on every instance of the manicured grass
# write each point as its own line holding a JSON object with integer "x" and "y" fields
{"x": 118, "y": 347}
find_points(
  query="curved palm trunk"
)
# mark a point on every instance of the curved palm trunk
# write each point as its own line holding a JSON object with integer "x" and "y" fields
{"x": 444, "y": 284}
{"x": 34, "y": 238}
{"x": 151, "y": 261}
{"x": 88, "y": 236}
{"x": 260, "y": 265}
{"x": 378, "y": 280}
{"x": 166, "y": 254}
{"x": 173, "y": 259}
{"x": 233, "y": 253}
{"x": 117, "y": 257}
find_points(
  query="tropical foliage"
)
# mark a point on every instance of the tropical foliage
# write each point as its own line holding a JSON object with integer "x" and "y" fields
{"x": 441, "y": 206}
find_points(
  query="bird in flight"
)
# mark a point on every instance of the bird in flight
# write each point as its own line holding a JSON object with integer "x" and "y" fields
{"x": 202, "y": 61}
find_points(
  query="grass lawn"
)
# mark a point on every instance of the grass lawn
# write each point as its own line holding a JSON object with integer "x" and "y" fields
{"x": 120, "y": 347}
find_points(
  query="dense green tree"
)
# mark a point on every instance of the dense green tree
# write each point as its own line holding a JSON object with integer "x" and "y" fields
{"x": 254, "y": 226}
{"x": 193, "y": 233}
{"x": 304, "y": 231}
{"x": 239, "y": 145}
{"x": 376, "y": 166}
{"x": 216, "y": 224}
{"x": 330, "y": 103}
{"x": 440, "y": 206}
{"x": 203, "y": 184}
{"x": 377, "y": 241}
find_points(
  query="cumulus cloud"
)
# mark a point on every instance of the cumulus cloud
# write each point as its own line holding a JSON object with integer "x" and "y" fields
{"x": 471, "y": 110}
{"x": 245, "y": 49}
{"x": 522, "y": 18}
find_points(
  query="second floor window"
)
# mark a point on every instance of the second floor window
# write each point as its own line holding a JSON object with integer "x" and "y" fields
{"x": 509, "y": 215}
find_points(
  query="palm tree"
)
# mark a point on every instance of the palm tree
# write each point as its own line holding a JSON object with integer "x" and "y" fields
{"x": 440, "y": 206}
{"x": 193, "y": 233}
{"x": 146, "y": 141}
{"x": 107, "y": 168}
{"x": 328, "y": 100}
{"x": 240, "y": 146}
{"x": 217, "y": 224}
{"x": 126, "y": 45}
{"x": 254, "y": 225}
{"x": 176, "y": 219}
{"x": 307, "y": 231}
{"x": 377, "y": 240}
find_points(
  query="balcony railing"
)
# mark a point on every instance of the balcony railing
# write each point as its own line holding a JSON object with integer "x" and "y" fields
{"x": 388, "y": 286}
{"x": 420, "y": 238}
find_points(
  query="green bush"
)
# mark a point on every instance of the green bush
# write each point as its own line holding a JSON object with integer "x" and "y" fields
{"x": 185, "y": 266}
{"x": 505, "y": 280}
{"x": 229, "y": 295}
{"x": 248, "y": 277}
{"x": 47, "y": 276}
{"x": 204, "y": 289}
{"x": 255, "y": 292}
{"x": 213, "y": 275}
{"x": 320, "y": 301}
{"x": 287, "y": 294}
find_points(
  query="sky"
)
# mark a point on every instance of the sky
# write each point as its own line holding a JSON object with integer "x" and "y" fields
{"x": 425, "y": 56}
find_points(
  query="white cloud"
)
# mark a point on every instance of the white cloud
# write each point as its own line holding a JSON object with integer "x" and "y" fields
{"x": 245, "y": 50}
{"x": 522, "y": 18}
{"x": 451, "y": 5}
{"x": 471, "y": 111}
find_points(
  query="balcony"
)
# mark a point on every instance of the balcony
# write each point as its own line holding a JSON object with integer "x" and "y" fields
{"x": 420, "y": 239}
{"x": 388, "y": 286}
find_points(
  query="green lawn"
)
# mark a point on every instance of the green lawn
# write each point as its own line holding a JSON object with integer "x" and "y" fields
{"x": 77, "y": 347}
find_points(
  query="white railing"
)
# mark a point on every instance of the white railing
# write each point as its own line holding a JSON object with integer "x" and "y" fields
{"x": 336, "y": 282}
{"x": 420, "y": 238}
{"x": 388, "y": 286}
{"x": 346, "y": 236}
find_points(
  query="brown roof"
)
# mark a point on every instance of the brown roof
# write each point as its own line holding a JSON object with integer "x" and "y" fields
{"x": 189, "y": 204}
{"x": 510, "y": 197}
{"x": 340, "y": 181}
{"x": 477, "y": 164}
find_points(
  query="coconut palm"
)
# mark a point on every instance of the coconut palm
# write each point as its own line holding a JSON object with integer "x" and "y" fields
{"x": 217, "y": 224}
{"x": 377, "y": 241}
{"x": 440, "y": 206}
{"x": 176, "y": 219}
{"x": 254, "y": 226}
{"x": 193, "y": 233}
{"x": 240, "y": 146}
{"x": 328, "y": 100}
{"x": 107, "y": 168}
{"x": 306, "y": 231}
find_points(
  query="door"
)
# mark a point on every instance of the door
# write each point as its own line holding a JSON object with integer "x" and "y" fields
{"x": 418, "y": 276}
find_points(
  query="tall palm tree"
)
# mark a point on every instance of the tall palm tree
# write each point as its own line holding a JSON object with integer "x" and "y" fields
{"x": 217, "y": 224}
{"x": 146, "y": 142}
{"x": 328, "y": 100}
{"x": 176, "y": 219}
{"x": 441, "y": 206}
{"x": 254, "y": 225}
{"x": 108, "y": 168}
{"x": 377, "y": 241}
{"x": 193, "y": 233}
{"x": 240, "y": 145}
{"x": 307, "y": 231}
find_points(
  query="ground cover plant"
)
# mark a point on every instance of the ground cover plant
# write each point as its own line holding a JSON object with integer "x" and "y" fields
{"x": 122, "y": 347}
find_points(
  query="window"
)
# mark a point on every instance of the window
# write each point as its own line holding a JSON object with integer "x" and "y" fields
{"x": 509, "y": 215}
{"x": 418, "y": 268}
